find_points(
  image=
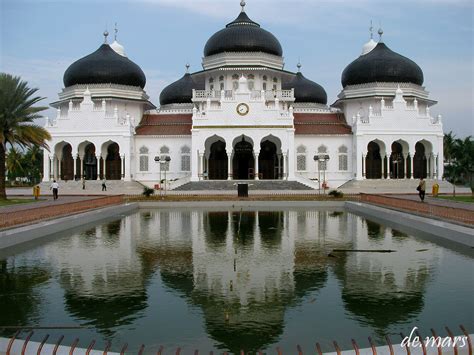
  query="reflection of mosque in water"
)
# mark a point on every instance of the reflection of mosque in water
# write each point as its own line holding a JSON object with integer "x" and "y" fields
{"x": 243, "y": 270}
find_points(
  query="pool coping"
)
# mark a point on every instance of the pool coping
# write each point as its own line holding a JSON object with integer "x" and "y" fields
{"x": 405, "y": 222}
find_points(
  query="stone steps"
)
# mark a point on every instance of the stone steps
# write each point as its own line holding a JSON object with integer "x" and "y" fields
{"x": 229, "y": 185}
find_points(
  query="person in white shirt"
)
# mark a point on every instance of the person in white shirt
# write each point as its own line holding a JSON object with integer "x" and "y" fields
{"x": 55, "y": 188}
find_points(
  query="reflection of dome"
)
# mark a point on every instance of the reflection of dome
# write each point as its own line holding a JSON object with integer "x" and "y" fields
{"x": 382, "y": 65}
{"x": 179, "y": 92}
{"x": 306, "y": 90}
{"x": 243, "y": 35}
{"x": 104, "y": 66}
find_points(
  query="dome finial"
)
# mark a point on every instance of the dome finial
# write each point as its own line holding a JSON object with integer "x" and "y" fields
{"x": 106, "y": 34}
{"x": 299, "y": 65}
{"x": 187, "y": 67}
{"x": 371, "y": 30}
{"x": 380, "y": 32}
{"x": 242, "y": 3}
{"x": 116, "y": 31}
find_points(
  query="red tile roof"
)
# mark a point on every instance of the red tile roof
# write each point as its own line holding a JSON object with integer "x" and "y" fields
{"x": 321, "y": 123}
{"x": 165, "y": 125}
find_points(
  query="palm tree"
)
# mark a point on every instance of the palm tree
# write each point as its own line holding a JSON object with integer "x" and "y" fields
{"x": 17, "y": 116}
{"x": 448, "y": 146}
{"x": 14, "y": 163}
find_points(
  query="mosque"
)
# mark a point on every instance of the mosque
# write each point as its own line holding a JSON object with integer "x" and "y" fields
{"x": 244, "y": 117}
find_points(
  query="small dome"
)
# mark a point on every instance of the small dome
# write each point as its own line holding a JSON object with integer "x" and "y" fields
{"x": 104, "y": 66}
{"x": 243, "y": 35}
{"x": 306, "y": 90}
{"x": 179, "y": 92}
{"x": 366, "y": 48}
{"x": 117, "y": 47}
{"x": 382, "y": 65}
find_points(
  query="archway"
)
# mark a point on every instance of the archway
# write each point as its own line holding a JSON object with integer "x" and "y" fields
{"x": 67, "y": 163}
{"x": 218, "y": 161}
{"x": 397, "y": 161}
{"x": 90, "y": 162}
{"x": 268, "y": 160}
{"x": 243, "y": 162}
{"x": 373, "y": 161}
{"x": 420, "y": 164}
{"x": 113, "y": 163}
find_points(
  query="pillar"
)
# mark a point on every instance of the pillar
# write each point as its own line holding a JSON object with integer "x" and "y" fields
{"x": 81, "y": 176}
{"x": 59, "y": 168}
{"x": 436, "y": 166}
{"x": 383, "y": 166}
{"x": 279, "y": 166}
{"x": 428, "y": 166}
{"x": 229, "y": 165}
{"x": 51, "y": 167}
{"x": 201, "y": 166}
{"x": 285, "y": 166}
{"x": 97, "y": 163}
{"x": 387, "y": 157}
{"x": 74, "y": 159}
{"x": 255, "y": 157}
{"x": 105, "y": 168}
{"x": 363, "y": 166}
{"x": 408, "y": 163}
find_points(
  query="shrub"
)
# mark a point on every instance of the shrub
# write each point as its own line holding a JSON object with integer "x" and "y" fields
{"x": 148, "y": 191}
{"x": 335, "y": 193}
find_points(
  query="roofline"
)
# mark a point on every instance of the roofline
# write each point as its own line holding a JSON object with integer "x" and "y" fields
{"x": 339, "y": 101}
{"x": 56, "y": 103}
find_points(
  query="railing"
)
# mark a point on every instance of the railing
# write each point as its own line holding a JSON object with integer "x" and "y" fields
{"x": 455, "y": 214}
{"x": 269, "y": 95}
{"x": 426, "y": 345}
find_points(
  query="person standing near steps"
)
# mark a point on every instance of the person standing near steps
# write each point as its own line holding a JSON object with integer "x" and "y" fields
{"x": 55, "y": 188}
{"x": 421, "y": 189}
{"x": 104, "y": 185}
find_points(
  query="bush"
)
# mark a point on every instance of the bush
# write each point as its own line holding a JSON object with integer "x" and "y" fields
{"x": 335, "y": 193}
{"x": 148, "y": 191}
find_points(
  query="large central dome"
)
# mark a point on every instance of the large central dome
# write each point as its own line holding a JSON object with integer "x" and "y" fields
{"x": 243, "y": 35}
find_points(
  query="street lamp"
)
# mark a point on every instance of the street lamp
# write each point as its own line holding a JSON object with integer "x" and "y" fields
{"x": 167, "y": 160}
{"x": 320, "y": 158}
{"x": 157, "y": 159}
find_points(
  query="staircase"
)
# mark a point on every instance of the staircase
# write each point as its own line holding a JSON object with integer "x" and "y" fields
{"x": 392, "y": 186}
{"x": 229, "y": 185}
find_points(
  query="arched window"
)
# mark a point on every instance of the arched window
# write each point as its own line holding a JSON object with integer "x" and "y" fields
{"x": 211, "y": 87}
{"x": 250, "y": 77}
{"x": 185, "y": 158}
{"x": 264, "y": 86}
{"x": 275, "y": 80}
{"x": 343, "y": 166}
{"x": 235, "y": 77}
{"x": 322, "y": 165}
{"x": 222, "y": 86}
{"x": 250, "y": 85}
{"x": 143, "y": 159}
{"x": 221, "y": 78}
{"x": 211, "y": 80}
{"x": 265, "y": 78}
{"x": 235, "y": 85}
{"x": 301, "y": 158}
{"x": 164, "y": 152}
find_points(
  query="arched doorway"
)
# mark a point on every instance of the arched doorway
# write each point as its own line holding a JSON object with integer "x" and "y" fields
{"x": 113, "y": 163}
{"x": 218, "y": 161}
{"x": 243, "y": 162}
{"x": 373, "y": 161}
{"x": 397, "y": 162}
{"x": 268, "y": 160}
{"x": 420, "y": 164}
{"x": 90, "y": 162}
{"x": 67, "y": 163}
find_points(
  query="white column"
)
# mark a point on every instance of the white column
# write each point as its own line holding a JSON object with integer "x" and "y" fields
{"x": 74, "y": 159}
{"x": 408, "y": 158}
{"x": 97, "y": 163}
{"x": 46, "y": 166}
{"x": 279, "y": 166}
{"x": 59, "y": 168}
{"x": 360, "y": 166}
{"x": 195, "y": 165}
{"x": 388, "y": 166}
{"x": 255, "y": 157}
{"x": 105, "y": 167}
{"x": 429, "y": 175}
{"x": 201, "y": 166}
{"x": 126, "y": 168}
{"x": 383, "y": 166}
{"x": 438, "y": 171}
{"x": 229, "y": 165}
{"x": 81, "y": 175}
{"x": 285, "y": 166}
{"x": 363, "y": 166}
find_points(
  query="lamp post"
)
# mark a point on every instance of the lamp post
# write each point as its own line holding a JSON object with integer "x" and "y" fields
{"x": 167, "y": 160}
{"x": 157, "y": 159}
{"x": 321, "y": 158}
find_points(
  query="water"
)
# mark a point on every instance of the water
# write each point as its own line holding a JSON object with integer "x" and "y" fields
{"x": 228, "y": 280}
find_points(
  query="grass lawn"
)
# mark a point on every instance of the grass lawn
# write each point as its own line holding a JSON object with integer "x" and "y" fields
{"x": 462, "y": 198}
{"x": 15, "y": 201}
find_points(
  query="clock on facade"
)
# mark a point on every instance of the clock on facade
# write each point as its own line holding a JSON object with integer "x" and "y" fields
{"x": 243, "y": 109}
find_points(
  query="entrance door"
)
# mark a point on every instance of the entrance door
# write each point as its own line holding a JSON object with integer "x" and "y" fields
{"x": 90, "y": 163}
{"x": 218, "y": 161}
{"x": 113, "y": 163}
{"x": 397, "y": 162}
{"x": 420, "y": 163}
{"x": 243, "y": 162}
{"x": 373, "y": 162}
{"x": 268, "y": 160}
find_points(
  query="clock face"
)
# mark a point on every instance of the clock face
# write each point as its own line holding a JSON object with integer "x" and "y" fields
{"x": 243, "y": 109}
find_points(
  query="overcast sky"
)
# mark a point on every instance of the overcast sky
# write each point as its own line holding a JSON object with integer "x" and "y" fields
{"x": 40, "y": 39}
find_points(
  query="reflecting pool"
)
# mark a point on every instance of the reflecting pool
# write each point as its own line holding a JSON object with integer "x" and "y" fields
{"x": 226, "y": 280}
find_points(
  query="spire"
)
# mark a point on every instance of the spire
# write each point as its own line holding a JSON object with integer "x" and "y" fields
{"x": 371, "y": 30}
{"x": 106, "y": 34}
{"x": 115, "y": 30}
{"x": 299, "y": 66}
{"x": 187, "y": 68}
{"x": 242, "y": 3}
{"x": 380, "y": 32}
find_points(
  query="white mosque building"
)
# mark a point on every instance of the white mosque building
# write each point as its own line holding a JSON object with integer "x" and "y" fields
{"x": 243, "y": 116}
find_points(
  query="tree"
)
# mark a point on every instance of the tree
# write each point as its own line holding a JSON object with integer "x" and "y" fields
{"x": 448, "y": 146}
{"x": 17, "y": 116}
{"x": 461, "y": 166}
{"x": 14, "y": 164}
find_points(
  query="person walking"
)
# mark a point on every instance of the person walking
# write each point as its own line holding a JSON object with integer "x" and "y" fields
{"x": 104, "y": 185}
{"x": 422, "y": 189}
{"x": 55, "y": 188}
{"x": 83, "y": 183}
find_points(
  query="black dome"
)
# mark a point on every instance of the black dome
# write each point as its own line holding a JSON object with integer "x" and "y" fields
{"x": 306, "y": 90}
{"x": 179, "y": 92}
{"x": 382, "y": 65}
{"x": 102, "y": 67}
{"x": 243, "y": 35}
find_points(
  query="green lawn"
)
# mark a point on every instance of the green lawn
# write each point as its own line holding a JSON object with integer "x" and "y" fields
{"x": 463, "y": 198}
{"x": 16, "y": 201}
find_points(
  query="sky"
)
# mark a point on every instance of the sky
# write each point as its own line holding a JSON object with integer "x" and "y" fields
{"x": 39, "y": 39}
